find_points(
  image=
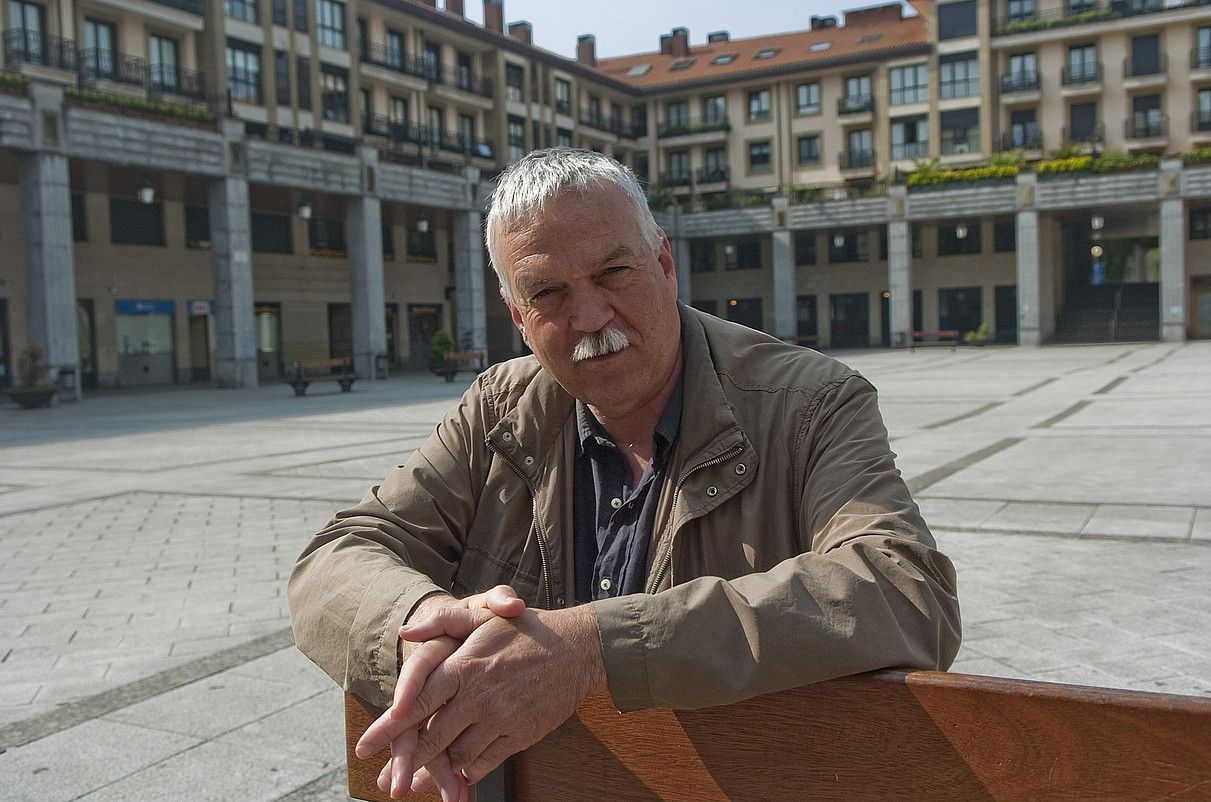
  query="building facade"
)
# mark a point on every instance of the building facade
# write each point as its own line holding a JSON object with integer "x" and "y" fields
{"x": 203, "y": 191}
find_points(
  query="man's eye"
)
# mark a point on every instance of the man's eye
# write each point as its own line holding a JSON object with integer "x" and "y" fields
{"x": 543, "y": 293}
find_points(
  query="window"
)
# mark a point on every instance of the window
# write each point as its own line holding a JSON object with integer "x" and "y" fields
{"x": 393, "y": 50}
{"x": 1200, "y": 223}
{"x": 326, "y": 236}
{"x": 466, "y": 130}
{"x": 726, "y": 58}
{"x": 1147, "y": 119}
{"x": 956, "y": 20}
{"x": 639, "y": 69}
{"x": 1079, "y": 6}
{"x": 244, "y": 72}
{"x": 302, "y": 74}
{"x": 422, "y": 244}
{"x": 563, "y": 137}
{"x": 334, "y": 93}
{"x": 960, "y": 131}
{"x": 79, "y": 219}
{"x": 463, "y": 75}
{"x": 1082, "y": 66}
{"x": 861, "y": 153}
{"x": 243, "y": 10}
{"x": 1082, "y": 121}
{"x": 517, "y": 138}
{"x": 99, "y": 56}
{"x": 132, "y": 222}
{"x": 1201, "y": 58}
{"x": 809, "y": 149}
{"x": 676, "y": 116}
{"x": 1020, "y": 10}
{"x": 758, "y": 105}
{"x": 1023, "y": 130}
{"x": 959, "y": 74}
{"x": 431, "y": 61}
{"x": 281, "y": 77}
{"x": 1004, "y": 236}
{"x": 279, "y": 12}
{"x": 1145, "y": 55}
{"x": 909, "y": 84}
{"x": 768, "y": 52}
{"x": 197, "y": 226}
{"x": 595, "y": 111}
{"x": 909, "y": 138}
{"x": 715, "y": 165}
{"x": 679, "y": 167}
{"x": 848, "y": 246}
{"x": 857, "y": 95}
{"x": 714, "y": 110}
{"x": 805, "y": 316}
{"x": 435, "y": 126}
{"x": 515, "y": 83}
{"x": 300, "y": 16}
{"x": 330, "y": 23}
{"x": 388, "y": 240}
{"x": 702, "y": 256}
{"x": 563, "y": 96}
{"x": 1202, "y": 114}
{"x": 807, "y": 98}
{"x": 759, "y": 156}
{"x": 271, "y": 232}
{"x": 639, "y": 119}
{"x": 681, "y": 64}
{"x": 960, "y": 239}
{"x": 1022, "y": 75}
{"x": 805, "y": 248}
{"x": 743, "y": 254}
{"x": 162, "y": 51}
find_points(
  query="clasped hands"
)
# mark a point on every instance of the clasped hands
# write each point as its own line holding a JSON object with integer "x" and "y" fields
{"x": 482, "y": 678}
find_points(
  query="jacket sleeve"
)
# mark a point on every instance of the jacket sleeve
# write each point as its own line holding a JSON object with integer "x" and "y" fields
{"x": 361, "y": 576}
{"x": 869, "y": 591}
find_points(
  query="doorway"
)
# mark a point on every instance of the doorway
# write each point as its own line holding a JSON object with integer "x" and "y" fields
{"x": 1201, "y": 288}
{"x": 268, "y": 341}
{"x": 424, "y": 320}
{"x": 340, "y": 331}
{"x": 1005, "y": 299}
{"x": 849, "y": 316}
{"x": 86, "y": 342}
{"x": 960, "y": 309}
{"x": 146, "y": 354}
{"x": 6, "y": 365}
{"x": 392, "y": 321}
{"x": 200, "y": 340}
{"x": 745, "y": 311}
{"x": 885, "y": 319}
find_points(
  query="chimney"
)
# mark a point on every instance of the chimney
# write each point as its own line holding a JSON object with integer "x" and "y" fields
{"x": 666, "y": 44}
{"x": 679, "y": 43}
{"x": 455, "y": 7}
{"x": 875, "y": 15}
{"x": 586, "y": 49}
{"x": 717, "y": 36}
{"x": 522, "y": 32}
{"x": 494, "y": 15}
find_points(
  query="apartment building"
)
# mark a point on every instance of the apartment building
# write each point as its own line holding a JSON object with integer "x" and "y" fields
{"x": 206, "y": 191}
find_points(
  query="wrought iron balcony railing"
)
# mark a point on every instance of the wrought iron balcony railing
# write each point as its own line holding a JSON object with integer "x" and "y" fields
{"x": 1019, "y": 82}
{"x": 857, "y": 159}
{"x": 685, "y": 127}
{"x": 855, "y": 104}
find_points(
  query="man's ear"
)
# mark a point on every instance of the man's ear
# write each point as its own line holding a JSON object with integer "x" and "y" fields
{"x": 515, "y": 314}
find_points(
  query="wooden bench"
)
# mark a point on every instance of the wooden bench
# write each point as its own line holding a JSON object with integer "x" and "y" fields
{"x": 922, "y": 339}
{"x": 340, "y": 370}
{"x": 888, "y": 735}
{"x": 456, "y": 361}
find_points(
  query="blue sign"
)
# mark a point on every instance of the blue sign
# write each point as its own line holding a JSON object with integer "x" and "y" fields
{"x": 127, "y": 307}
{"x": 1099, "y": 274}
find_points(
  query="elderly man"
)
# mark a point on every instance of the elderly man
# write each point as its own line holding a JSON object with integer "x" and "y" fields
{"x": 684, "y": 512}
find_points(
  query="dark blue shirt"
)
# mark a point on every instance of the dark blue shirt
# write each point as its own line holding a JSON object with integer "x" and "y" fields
{"x": 612, "y": 521}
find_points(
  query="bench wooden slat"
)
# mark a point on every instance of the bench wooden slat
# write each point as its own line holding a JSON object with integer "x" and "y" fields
{"x": 338, "y": 369}
{"x": 888, "y": 735}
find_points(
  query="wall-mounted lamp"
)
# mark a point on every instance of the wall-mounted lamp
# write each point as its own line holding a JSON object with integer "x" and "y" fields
{"x": 422, "y": 225}
{"x": 147, "y": 193}
{"x": 304, "y": 210}
{"x": 960, "y": 231}
{"x": 1096, "y": 222}
{"x": 838, "y": 241}
{"x": 730, "y": 249}
{"x": 733, "y": 302}
{"x": 886, "y": 294}
{"x": 1096, "y": 251}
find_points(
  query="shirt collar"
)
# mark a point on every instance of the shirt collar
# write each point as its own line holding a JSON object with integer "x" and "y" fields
{"x": 590, "y": 432}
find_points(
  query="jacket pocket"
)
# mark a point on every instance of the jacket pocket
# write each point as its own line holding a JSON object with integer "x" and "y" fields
{"x": 479, "y": 570}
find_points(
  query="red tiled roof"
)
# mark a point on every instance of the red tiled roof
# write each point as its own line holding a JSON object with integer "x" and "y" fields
{"x": 798, "y": 49}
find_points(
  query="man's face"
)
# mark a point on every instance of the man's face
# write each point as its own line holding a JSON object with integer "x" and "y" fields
{"x": 582, "y": 268}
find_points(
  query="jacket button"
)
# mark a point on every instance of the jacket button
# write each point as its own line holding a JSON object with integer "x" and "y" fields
{"x": 529, "y": 460}
{"x": 507, "y": 436}
{"x": 740, "y": 469}
{"x": 712, "y": 491}
{"x": 559, "y": 601}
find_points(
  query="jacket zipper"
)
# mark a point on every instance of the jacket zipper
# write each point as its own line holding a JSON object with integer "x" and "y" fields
{"x": 668, "y": 556}
{"x": 542, "y": 542}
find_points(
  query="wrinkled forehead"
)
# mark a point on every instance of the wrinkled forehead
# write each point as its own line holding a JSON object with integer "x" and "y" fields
{"x": 575, "y": 218}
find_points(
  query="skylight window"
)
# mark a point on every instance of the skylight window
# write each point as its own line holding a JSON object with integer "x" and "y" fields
{"x": 869, "y": 38}
{"x": 820, "y": 47}
{"x": 768, "y": 52}
{"x": 681, "y": 64}
{"x": 726, "y": 58}
{"x": 638, "y": 69}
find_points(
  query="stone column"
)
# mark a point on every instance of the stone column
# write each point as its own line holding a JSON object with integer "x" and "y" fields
{"x": 231, "y": 258}
{"x": 1029, "y": 282}
{"x": 681, "y": 256}
{"x": 1173, "y": 289}
{"x": 784, "y": 272}
{"x": 899, "y": 267}
{"x": 364, "y": 238}
{"x": 49, "y": 255}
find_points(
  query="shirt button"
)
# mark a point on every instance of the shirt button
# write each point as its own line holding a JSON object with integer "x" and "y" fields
{"x": 606, "y": 584}
{"x": 615, "y": 503}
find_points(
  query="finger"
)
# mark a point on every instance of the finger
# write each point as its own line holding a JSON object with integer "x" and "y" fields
{"x": 504, "y": 601}
{"x": 384, "y": 778}
{"x": 402, "y": 749}
{"x": 383, "y": 731}
{"x": 438, "y": 689}
{"x": 497, "y": 752}
{"x": 450, "y": 784}
{"x": 469, "y": 745}
{"x": 422, "y": 780}
{"x": 456, "y": 622}
{"x": 442, "y": 728}
{"x": 391, "y": 725}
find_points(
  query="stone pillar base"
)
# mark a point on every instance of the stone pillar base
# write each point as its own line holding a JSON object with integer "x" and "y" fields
{"x": 236, "y": 372}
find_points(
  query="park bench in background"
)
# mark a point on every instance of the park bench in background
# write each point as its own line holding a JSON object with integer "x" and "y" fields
{"x": 922, "y": 339}
{"x": 456, "y": 361}
{"x": 889, "y": 735}
{"x": 302, "y": 374}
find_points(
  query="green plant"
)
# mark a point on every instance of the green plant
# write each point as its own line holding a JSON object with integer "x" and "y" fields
{"x": 1197, "y": 156}
{"x": 13, "y": 82}
{"x": 31, "y": 369}
{"x": 441, "y": 344}
{"x": 661, "y": 198}
{"x": 932, "y": 175}
{"x": 1113, "y": 161}
{"x": 717, "y": 200}
{"x": 978, "y": 336}
{"x": 1007, "y": 158}
{"x": 1064, "y": 164}
{"x": 1067, "y": 150}
{"x": 156, "y": 108}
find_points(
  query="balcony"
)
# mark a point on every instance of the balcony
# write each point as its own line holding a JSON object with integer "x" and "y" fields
{"x": 1129, "y": 8}
{"x": 1200, "y": 121}
{"x": 188, "y": 6}
{"x": 1093, "y": 137}
{"x": 1019, "y": 82}
{"x": 1025, "y": 137}
{"x": 563, "y": 107}
{"x": 107, "y": 65}
{"x": 392, "y": 58}
{"x": 712, "y": 175}
{"x": 1081, "y": 75}
{"x": 609, "y": 125}
{"x": 1200, "y": 58}
{"x": 909, "y": 150}
{"x": 1146, "y": 125}
{"x": 686, "y": 127}
{"x": 959, "y": 142}
{"x": 1080, "y": 13}
{"x": 675, "y": 179}
{"x": 31, "y": 47}
{"x": 1153, "y": 67}
{"x": 855, "y": 104}
{"x": 857, "y": 159}
{"x": 423, "y": 136}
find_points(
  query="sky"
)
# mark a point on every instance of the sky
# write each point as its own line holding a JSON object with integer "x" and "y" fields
{"x": 623, "y": 27}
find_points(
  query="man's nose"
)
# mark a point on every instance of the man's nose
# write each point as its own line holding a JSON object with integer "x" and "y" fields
{"x": 590, "y": 309}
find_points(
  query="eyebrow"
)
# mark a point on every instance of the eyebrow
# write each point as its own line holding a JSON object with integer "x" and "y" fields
{"x": 620, "y": 251}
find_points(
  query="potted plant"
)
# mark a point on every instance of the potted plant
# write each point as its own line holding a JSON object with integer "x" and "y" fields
{"x": 441, "y": 345}
{"x": 33, "y": 389}
{"x": 978, "y": 337}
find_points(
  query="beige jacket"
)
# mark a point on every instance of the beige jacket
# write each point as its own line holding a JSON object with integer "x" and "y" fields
{"x": 786, "y": 548}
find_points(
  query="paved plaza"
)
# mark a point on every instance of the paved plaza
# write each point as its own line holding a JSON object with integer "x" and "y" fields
{"x": 146, "y": 538}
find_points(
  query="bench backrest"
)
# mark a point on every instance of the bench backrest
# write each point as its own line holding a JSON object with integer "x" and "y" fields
{"x": 889, "y": 735}
{"x": 319, "y": 364}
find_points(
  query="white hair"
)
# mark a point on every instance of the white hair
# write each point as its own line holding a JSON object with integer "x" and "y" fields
{"x": 524, "y": 188}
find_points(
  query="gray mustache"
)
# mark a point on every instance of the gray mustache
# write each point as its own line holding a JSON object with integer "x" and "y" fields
{"x": 599, "y": 343}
